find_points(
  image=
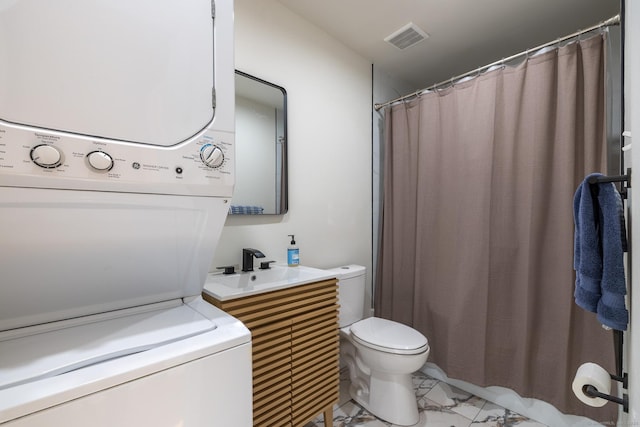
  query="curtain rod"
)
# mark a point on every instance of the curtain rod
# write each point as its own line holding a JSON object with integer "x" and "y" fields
{"x": 615, "y": 20}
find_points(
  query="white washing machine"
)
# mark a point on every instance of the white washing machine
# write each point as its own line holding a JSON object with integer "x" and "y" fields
{"x": 116, "y": 170}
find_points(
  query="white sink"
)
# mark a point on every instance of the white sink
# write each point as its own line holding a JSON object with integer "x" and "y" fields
{"x": 230, "y": 286}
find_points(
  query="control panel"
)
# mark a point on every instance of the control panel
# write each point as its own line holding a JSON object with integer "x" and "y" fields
{"x": 200, "y": 166}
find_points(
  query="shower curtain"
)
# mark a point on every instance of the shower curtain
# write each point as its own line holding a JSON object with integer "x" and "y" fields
{"x": 477, "y": 228}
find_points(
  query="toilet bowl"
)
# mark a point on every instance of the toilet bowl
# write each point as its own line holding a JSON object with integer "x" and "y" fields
{"x": 380, "y": 354}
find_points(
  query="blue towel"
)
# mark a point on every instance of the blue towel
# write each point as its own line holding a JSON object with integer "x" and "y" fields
{"x": 598, "y": 253}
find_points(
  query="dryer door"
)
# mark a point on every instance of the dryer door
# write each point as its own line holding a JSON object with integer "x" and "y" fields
{"x": 117, "y": 69}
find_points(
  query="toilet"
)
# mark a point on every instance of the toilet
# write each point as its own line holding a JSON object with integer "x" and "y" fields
{"x": 380, "y": 354}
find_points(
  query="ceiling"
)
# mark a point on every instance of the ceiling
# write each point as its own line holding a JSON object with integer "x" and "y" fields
{"x": 463, "y": 34}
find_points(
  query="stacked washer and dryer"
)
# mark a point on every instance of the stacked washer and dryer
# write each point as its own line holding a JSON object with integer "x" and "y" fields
{"x": 116, "y": 169}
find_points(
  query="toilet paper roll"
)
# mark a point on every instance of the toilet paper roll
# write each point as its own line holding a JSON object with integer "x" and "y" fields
{"x": 595, "y": 375}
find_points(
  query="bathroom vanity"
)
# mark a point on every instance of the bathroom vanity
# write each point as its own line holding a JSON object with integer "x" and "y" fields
{"x": 295, "y": 343}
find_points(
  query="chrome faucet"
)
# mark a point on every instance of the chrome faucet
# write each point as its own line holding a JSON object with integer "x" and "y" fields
{"x": 247, "y": 258}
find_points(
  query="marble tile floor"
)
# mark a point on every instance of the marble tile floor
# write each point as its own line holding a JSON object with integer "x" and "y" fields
{"x": 439, "y": 404}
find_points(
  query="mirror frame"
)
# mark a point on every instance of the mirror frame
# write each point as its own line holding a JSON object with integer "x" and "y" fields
{"x": 283, "y": 203}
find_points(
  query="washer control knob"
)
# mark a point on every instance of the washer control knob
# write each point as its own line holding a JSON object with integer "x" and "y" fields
{"x": 100, "y": 161}
{"x": 212, "y": 155}
{"x": 46, "y": 156}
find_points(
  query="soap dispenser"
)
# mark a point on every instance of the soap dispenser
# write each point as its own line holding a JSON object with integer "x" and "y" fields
{"x": 293, "y": 253}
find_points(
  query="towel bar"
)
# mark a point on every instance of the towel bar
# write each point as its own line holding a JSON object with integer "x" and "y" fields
{"x": 618, "y": 348}
{"x": 626, "y": 179}
{"x": 617, "y": 335}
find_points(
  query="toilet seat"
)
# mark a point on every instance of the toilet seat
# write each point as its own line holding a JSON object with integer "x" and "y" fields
{"x": 389, "y": 336}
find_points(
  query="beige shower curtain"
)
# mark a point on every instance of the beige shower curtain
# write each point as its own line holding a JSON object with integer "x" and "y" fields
{"x": 477, "y": 239}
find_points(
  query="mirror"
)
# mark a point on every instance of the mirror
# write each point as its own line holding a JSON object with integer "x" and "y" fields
{"x": 261, "y": 147}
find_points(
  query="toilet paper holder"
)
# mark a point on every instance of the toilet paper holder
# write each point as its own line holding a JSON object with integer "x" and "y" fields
{"x": 591, "y": 391}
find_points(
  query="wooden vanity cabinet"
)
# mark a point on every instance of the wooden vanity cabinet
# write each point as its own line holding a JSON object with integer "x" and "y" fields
{"x": 295, "y": 346}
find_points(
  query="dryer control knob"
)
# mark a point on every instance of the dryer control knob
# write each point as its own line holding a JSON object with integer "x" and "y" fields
{"x": 99, "y": 160}
{"x": 46, "y": 156}
{"x": 212, "y": 155}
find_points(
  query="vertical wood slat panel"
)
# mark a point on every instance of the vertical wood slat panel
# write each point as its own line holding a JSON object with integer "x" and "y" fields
{"x": 315, "y": 365}
{"x": 295, "y": 351}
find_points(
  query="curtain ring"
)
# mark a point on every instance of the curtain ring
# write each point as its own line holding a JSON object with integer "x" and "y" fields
{"x": 502, "y": 63}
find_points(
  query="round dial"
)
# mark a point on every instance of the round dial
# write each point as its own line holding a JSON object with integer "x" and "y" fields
{"x": 100, "y": 160}
{"x": 212, "y": 155}
{"x": 46, "y": 156}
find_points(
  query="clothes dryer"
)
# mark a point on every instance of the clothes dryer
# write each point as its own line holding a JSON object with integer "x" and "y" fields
{"x": 116, "y": 171}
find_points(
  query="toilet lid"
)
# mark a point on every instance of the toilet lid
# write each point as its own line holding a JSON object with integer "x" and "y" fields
{"x": 389, "y": 336}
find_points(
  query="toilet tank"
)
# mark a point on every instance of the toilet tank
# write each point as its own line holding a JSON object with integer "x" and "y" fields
{"x": 351, "y": 292}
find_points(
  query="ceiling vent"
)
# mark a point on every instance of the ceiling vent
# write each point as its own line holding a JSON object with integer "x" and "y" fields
{"x": 407, "y": 36}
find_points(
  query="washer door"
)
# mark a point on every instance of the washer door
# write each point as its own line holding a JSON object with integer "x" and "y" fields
{"x": 138, "y": 71}
{"x": 85, "y": 342}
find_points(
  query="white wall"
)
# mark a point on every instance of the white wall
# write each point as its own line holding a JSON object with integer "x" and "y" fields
{"x": 329, "y": 122}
